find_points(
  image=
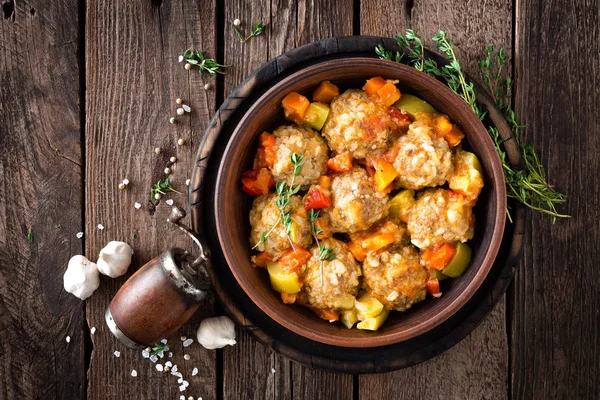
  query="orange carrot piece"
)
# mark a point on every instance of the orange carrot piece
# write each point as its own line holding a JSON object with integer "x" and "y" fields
{"x": 328, "y": 314}
{"x": 357, "y": 251}
{"x": 288, "y": 298}
{"x": 385, "y": 173}
{"x": 340, "y": 163}
{"x": 454, "y": 136}
{"x": 389, "y": 93}
{"x": 326, "y": 92}
{"x": 373, "y": 85}
{"x": 442, "y": 125}
{"x": 293, "y": 259}
{"x": 262, "y": 259}
{"x": 438, "y": 259}
{"x": 295, "y": 106}
{"x": 267, "y": 139}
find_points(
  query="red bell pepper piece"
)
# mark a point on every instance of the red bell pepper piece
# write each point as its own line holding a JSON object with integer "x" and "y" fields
{"x": 257, "y": 182}
{"x": 316, "y": 198}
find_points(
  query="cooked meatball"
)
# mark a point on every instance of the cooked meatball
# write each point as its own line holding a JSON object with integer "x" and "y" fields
{"x": 340, "y": 277}
{"x": 356, "y": 205}
{"x": 440, "y": 216}
{"x": 395, "y": 276}
{"x": 290, "y": 139}
{"x": 264, "y": 215}
{"x": 424, "y": 159}
{"x": 358, "y": 125}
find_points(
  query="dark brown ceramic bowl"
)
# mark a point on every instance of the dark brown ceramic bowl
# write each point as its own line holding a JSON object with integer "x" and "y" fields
{"x": 232, "y": 206}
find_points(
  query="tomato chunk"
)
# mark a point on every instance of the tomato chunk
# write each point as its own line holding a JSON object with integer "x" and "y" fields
{"x": 257, "y": 182}
{"x": 293, "y": 259}
{"x": 340, "y": 163}
{"x": 433, "y": 287}
{"x": 316, "y": 198}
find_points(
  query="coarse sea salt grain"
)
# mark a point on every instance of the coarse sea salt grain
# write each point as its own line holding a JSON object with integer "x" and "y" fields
{"x": 93, "y": 330}
{"x": 188, "y": 342}
{"x": 117, "y": 354}
{"x": 182, "y": 388}
{"x": 133, "y": 372}
{"x": 180, "y": 380}
{"x": 170, "y": 202}
{"x": 164, "y": 341}
{"x": 145, "y": 354}
{"x": 180, "y": 58}
{"x": 170, "y": 354}
{"x": 79, "y": 235}
{"x": 182, "y": 397}
{"x": 153, "y": 358}
{"x": 161, "y": 354}
{"x": 137, "y": 205}
{"x": 177, "y": 374}
{"x": 175, "y": 368}
{"x": 272, "y": 370}
{"x": 68, "y": 339}
{"x": 100, "y": 226}
{"x": 159, "y": 367}
{"x": 195, "y": 372}
{"x": 168, "y": 364}
{"x": 186, "y": 356}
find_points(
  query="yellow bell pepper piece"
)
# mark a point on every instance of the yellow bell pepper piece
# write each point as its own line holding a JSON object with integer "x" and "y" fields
{"x": 345, "y": 302}
{"x": 374, "y": 323}
{"x": 283, "y": 281}
{"x": 384, "y": 175}
{"x": 367, "y": 307}
{"x": 348, "y": 318}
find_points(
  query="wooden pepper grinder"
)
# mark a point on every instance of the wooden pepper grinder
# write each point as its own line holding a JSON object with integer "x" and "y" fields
{"x": 162, "y": 295}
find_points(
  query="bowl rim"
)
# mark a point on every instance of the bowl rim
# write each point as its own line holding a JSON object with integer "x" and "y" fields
{"x": 499, "y": 219}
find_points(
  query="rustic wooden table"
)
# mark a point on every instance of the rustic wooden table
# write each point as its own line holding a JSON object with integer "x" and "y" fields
{"x": 86, "y": 92}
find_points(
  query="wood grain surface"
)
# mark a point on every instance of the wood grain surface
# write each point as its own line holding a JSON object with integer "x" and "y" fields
{"x": 555, "y": 324}
{"x": 132, "y": 79}
{"x": 478, "y": 366}
{"x": 40, "y": 189}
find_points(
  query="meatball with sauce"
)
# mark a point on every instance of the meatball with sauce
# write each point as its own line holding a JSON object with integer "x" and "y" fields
{"x": 440, "y": 216}
{"x": 356, "y": 204}
{"x": 396, "y": 277}
{"x": 290, "y": 139}
{"x": 358, "y": 125}
{"x": 424, "y": 159}
{"x": 264, "y": 216}
{"x": 337, "y": 284}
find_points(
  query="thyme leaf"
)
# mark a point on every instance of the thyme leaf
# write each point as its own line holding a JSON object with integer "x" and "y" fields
{"x": 204, "y": 64}
{"x": 255, "y": 30}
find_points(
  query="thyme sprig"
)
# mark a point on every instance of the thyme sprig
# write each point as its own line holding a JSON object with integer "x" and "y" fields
{"x": 255, "y": 30}
{"x": 205, "y": 64}
{"x": 157, "y": 348}
{"x": 161, "y": 188}
{"x": 529, "y": 186}
{"x": 325, "y": 253}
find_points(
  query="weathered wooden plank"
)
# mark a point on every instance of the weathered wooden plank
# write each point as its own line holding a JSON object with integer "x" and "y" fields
{"x": 247, "y": 367}
{"x": 478, "y": 366}
{"x": 555, "y": 326}
{"x": 40, "y": 189}
{"x": 133, "y": 79}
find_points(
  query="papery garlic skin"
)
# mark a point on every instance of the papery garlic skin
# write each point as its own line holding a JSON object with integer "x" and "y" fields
{"x": 81, "y": 277}
{"x": 114, "y": 259}
{"x": 216, "y": 333}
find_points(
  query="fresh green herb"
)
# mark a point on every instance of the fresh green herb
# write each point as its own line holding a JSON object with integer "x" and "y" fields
{"x": 388, "y": 55}
{"x": 157, "y": 348}
{"x": 283, "y": 201}
{"x": 161, "y": 188}
{"x": 58, "y": 226}
{"x": 256, "y": 30}
{"x": 205, "y": 64}
{"x": 30, "y": 235}
{"x": 133, "y": 235}
{"x": 325, "y": 253}
{"x": 528, "y": 186}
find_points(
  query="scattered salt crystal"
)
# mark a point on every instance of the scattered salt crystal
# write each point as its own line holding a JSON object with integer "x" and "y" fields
{"x": 79, "y": 235}
{"x": 187, "y": 182}
{"x": 272, "y": 370}
{"x": 161, "y": 354}
{"x": 195, "y": 372}
{"x": 180, "y": 380}
{"x": 177, "y": 374}
{"x": 186, "y": 356}
{"x": 68, "y": 339}
{"x": 182, "y": 388}
{"x": 183, "y": 338}
{"x": 191, "y": 398}
{"x": 170, "y": 354}
{"x": 145, "y": 354}
{"x": 159, "y": 367}
{"x": 174, "y": 368}
{"x": 180, "y": 58}
{"x": 153, "y": 358}
{"x": 199, "y": 398}
{"x": 170, "y": 202}
{"x": 188, "y": 342}
{"x": 137, "y": 205}
{"x": 117, "y": 354}
{"x": 133, "y": 372}
{"x": 100, "y": 226}
{"x": 182, "y": 397}
{"x": 186, "y": 108}
{"x": 185, "y": 383}
{"x": 93, "y": 330}
{"x": 125, "y": 181}
{"x": 168, "y": 364}
{"x": 164, "y": 341}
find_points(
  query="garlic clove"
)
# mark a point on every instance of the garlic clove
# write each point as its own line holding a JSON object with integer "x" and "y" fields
{"x": 81, "y": 278}
{"x": 216, "y": 333}
{"x": 114, "y": 259}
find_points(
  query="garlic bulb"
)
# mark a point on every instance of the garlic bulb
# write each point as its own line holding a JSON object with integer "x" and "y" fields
{"x": 114, "y": 259}
{"x": 217, "y": 332}
{"x": 81, "y": 277}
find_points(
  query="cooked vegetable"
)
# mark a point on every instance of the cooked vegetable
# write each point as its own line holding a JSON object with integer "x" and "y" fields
{"x": 345, "y": 302}
{"x": 402, "y": 118}
{"x": 340, "y": 163}
{"x": 373, "y": 324}
{"x": 400, "y": 205}
{"x": 412, "y": 105}
{"x": 293, "y": 259}
{"x": 257, "y": 182}
{"x": 295, "y": 106}
{"x": 440, "y": 257}
{"x": 459, "y": 262}
{"x": 326, "y": 92}
{"x": 266, "y": 152}
{"x": 454, "y": 136}
{"x": 385, "y": 173}
{"x": 437, "y": 274}
{"x": 327, "y": 314}
{"x": 373, "y": 85}
{"x": 357, "y": 251}
{"x": 348, "y": 318}
{"x": 316, "y": 198}
{"x": 262, "y": 260}
{"x": 316, "y": 115}
{"x": 367, "y": 307}
{"x": 388, "y": 93}
{"x": 433, "y": 287}
{"x": 282, "y": 280}
{"x": 288, "y": 298}
{"x": 467, "y": 177}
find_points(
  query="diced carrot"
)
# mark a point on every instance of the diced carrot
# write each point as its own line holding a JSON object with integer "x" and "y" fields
{"x": 384, "y": 175}
{"x": 326, "y": 92}
{"x": 267, "y": 139}
{"x": 373, "y": 85}
{"x": 324, "y": 227}
{"x": 439, "y": 258}
{"x": 378, "y": 241}
{"x": 325, "y": 182}
{"x": 294, "y": 258}
{"x": 262, "y": 259}
{"x": 357, "y": 251}
{"x": 442, "y": 125}
{"x": 328, "y": 314}
{"x": 340, "y": 163}
{"x": 288, "y": 298}
{"x": 316, "y": 198}
{"x": 295, "y": 106}
{"x": 257, "y": 182}
{"x": 433, "y": 287}
{"x": 454, "y": 136}
{"x": 389, "y": 93}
